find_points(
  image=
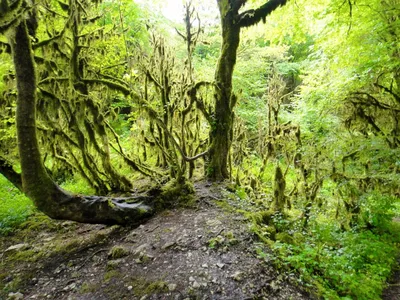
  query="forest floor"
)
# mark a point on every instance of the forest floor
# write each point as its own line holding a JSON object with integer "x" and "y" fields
{"x": 204, "y": 252}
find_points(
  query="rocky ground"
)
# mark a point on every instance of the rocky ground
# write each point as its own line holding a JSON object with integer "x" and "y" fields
{"x": 199, "y": 253}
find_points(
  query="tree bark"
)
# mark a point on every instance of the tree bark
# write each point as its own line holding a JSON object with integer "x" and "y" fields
{"x": 225, "y": 100}
{"x": 36, "y": 183}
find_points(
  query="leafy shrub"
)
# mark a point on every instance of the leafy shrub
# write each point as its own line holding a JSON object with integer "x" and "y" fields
{"x": 378, "y": 210}
{"x": 342, "y": 265}
{"x": 78, "y": 185}
{"x": 15, "y": 208}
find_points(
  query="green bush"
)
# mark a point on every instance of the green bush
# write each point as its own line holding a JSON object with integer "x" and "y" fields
{"x": 78, "y": 185}
{"x": 15, "y": 208}
{"x": 378, "y": 210}
{"x": 342, "y": 265}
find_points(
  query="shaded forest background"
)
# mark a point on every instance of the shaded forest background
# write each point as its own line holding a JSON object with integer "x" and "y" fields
{"x": 128, "y": 99}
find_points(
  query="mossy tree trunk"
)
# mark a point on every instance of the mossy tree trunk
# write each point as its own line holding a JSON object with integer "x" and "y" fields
{"x": 225, "y": 100}
{"x": 36, "y": 183}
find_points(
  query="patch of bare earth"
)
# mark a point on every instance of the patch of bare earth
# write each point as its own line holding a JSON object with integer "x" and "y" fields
{"x": 203, "y": 253}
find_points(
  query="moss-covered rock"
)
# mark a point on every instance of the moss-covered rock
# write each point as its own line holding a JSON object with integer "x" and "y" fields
{"x": 263, "y": 217}
{"x": 141, "y": 287}
{"x": 176, "y": 193}
{"x": 117, "y": 252}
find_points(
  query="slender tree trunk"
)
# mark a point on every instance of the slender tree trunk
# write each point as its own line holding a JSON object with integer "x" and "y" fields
{"x": 36, "y": 183}
{"x": 225, "y": 100}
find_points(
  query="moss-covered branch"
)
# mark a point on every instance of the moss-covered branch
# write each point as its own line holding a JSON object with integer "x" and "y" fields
{"x": 8, "y": 172}
{"x": 254, "y": 16}
{"x": 111, "y": 84}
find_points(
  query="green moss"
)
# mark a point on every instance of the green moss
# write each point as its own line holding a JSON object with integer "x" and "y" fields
{"x": 224, "y": 205}
{"x": 284, "y": 237}
{"x": 263, "y": 217}
{"x": 175, "y": 193}
{"x": 98, "y": 238}
{"x": 14, "y": 285}
{"x": 230, "y": 237}
{"x": 263, "y": 235}
{"x": 143, "y": 287}
{"x": 63, "y": 246}
{"x": 78, "y": 185}
{"x": 224, "y": 240}
{"x": 88, "y": 287}
{"x": 216, "y": 242}
{"x": 118, "y": 252}
{"x": 27, "y": 255}
{"x": 111, "y": 274}
{"x": 156, "y": 287}
{"x": 69, "y": 246}
{"x": 298, "y": 238}
{"x": 110, "y": 203}
{"x": 112, "y": 265}
{"x": 39, "y": 222}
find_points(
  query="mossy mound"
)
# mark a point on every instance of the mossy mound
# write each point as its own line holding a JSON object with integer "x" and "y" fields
{"x": 175, "y": 194}
{"x": 118, "y": 252}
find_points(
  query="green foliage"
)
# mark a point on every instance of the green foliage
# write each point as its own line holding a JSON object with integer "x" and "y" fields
{"x": 78, "y": 185}
{"x": 378, "y": 210}
{"x": 342, "y": 265}
{"x": 5, "y": 68}
{"x": 15, "y": 208}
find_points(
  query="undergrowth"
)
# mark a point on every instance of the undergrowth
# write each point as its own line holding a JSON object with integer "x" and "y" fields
{"x": 340, "y": 264}
{"x": 78, "y": 185}
{"x": 15, "y": 208}
{"x": 330, "y": 260}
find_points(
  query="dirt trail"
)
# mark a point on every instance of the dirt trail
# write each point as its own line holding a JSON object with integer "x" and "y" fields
{"x": 203, "y": 253}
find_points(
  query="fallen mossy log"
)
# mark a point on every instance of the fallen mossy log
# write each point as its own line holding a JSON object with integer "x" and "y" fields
{"x": 59, "y": 204}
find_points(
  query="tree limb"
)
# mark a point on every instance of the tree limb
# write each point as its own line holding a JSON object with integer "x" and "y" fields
{"x": 153, "y": 115}
{"x": 113, "y": 85}
{"x": 236, "y": 5}
{"x": 8, "y": 172}
{"x": 254, "y": 16}
{"x": 397, "y": 97}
